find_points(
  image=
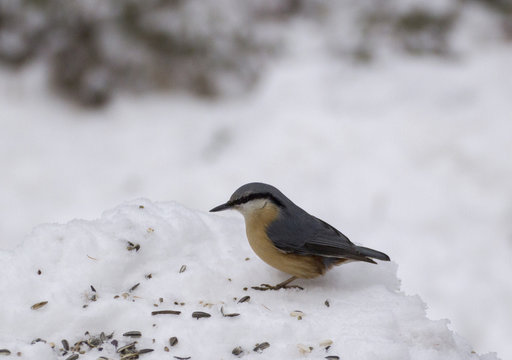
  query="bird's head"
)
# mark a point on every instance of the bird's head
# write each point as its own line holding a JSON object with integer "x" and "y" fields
{"x": 253, "y": 197}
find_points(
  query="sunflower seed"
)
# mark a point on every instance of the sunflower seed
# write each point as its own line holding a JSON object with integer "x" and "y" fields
{"x": 65, "y": 344}
{"x": 261, "y": 347}
{"x": 126, "y": 347}
{"x": 5, "y": 352}
{"x": 93, "y": 289}
{"x": 39, "y": 305}
{"x": 72, "y": 357}
{"x": 166, "y": 312}
{"x": 182, "y": 358}
{"x": 134, "y": 287}
{"x": 332, "y": 357}
{"x": 129, "y": 356}
{"x": 200, "y": 314}
{"x": 244, "y": 299}
{"x": 183, "y": 268}
{"x": 145, "y": 351}
{"x": 173, "y": 340}
{"x": 133, "y": 334}
{"x": 237, "y": 351}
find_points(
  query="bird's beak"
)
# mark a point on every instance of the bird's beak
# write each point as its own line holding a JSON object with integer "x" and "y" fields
{"x": 222, "y": 207}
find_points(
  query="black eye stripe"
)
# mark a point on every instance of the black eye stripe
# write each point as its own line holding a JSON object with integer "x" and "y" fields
{"x": 255, "y": 196}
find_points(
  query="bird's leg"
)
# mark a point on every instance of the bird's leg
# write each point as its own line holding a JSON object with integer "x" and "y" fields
{"x": 281, "y": 285}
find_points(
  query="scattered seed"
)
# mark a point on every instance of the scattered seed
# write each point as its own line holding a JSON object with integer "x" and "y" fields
{"x": 37, "y": 340}
{"x": 332, "y": 357}
{"x": 247, "y": 259}
{"x": 182, "y": 358}
{"x": 52, "y": 345}
{"x": 5, "y": 352}
{"x": 245, "y": 289}
{"x": 39, "y": 305}
{"x": 93, "y": 289}
{"x": 183, "y": 268}
{"x": 148, "y": 276}
{"x": 72, "y": 357}
{"x": 261, "y": 347}
{"x": 237, "y": 351}
{"x": 141, "y": 206}
{"x": 133, "y": 334}
{"x": 244, "y": 299}
{"x": 153, "y": 341}
{"x": 173, "y": 341}
{"x": 127, "y": 347}
{"x": 200, "y": 314}
{"x": 327, "y": 303}
{"x": 90, "y": 257}
{"x": 84, "y": 306}
{"x": 128, "y": 356}
{"x": 18, "y": 353}
{"x": 166, "y": 312}
{"x": 39, "y": 272}
{"x": 134, "y": 287}
{"x": 103, "y": 358}
{"x": 150, "y": 230}
{"x": 303, "y": 349}
{"x": 145, "y": 351}
{"x": 166, "y": 349}
{"x": 94, "y": 342}
{"x": 161, "y": 300}
{"x": 326, "y": 343}
{"x": 114, "y": 342}
{"x": 65, "y": 344}
{"x": 229, "y": 279}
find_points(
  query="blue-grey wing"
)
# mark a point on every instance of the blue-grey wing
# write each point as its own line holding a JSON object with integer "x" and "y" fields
{"x": 308, "y": 235}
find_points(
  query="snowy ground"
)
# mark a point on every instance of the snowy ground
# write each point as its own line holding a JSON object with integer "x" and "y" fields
{"x": 111, "y": 275}
{"x": 409, "y": 156}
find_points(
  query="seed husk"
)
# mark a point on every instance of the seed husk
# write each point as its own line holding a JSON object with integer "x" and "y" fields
{"x": 5, "y": 352}
{"x": 244, "y": 299}
{"x": 261, "y": 347}
{"x": 173, "y": 341}
{"x": 39, "y": 305}
{"x": 39, "y": 272}
{"x": 183, "y": 268}
{"x": 200, "y": 314}
{"x": 332, "y": 357}
{"x": 182, "y": 358}
{"x": 237, "y": 351}
{"x": 165, "y": 312}
{"x": 93, "y": 289}
{"x": 166, "y": 349}
{"x": 325, "y": 343}
{"x": 133, "y": 334}
{"x": 148, "y": 276}
{"x": 134, "y": 287}
{"x": 128, "y": 356}
{"x": 126, "y": 347}
{"x": 145, "y": 351}
{"x": 327, "y": 303}
{"x": 72, "y": 357}
{"x": 37, "y": 340}
{"x": 227, "y": 315}
{"x": 303, "y": 349}
{"x": 65, "y": 344}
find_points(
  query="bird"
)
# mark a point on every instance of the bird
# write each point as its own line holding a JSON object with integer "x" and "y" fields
{"x": 289, "y": 239}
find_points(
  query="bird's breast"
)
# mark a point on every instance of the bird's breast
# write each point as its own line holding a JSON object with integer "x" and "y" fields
{"x": 302, "y": 266}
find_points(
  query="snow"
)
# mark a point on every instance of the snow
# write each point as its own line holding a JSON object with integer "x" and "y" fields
{"x": 406, "y": 155}
{"x": 367, "y": 317}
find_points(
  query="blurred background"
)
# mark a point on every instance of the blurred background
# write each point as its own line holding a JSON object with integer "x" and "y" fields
{"x": 390, "y": 120}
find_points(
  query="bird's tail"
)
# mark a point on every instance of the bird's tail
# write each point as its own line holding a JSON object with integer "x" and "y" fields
{"x": 366, "y": 252}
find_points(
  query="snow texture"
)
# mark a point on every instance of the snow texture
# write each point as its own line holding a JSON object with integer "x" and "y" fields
{"x": 87, "y": 272}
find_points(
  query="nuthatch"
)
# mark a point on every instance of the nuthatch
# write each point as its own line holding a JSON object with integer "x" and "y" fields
{"x": 288, "y": 238}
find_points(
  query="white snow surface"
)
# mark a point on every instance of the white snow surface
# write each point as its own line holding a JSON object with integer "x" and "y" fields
{"x": 368, "y": 317}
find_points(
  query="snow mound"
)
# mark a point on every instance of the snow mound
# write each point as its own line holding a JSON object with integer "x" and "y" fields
{"x": 109, "y": 276}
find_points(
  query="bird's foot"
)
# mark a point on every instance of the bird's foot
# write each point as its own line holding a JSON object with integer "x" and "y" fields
{"x": 265, "y": 287}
